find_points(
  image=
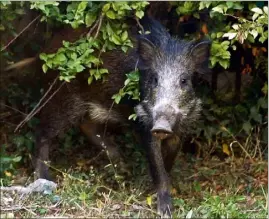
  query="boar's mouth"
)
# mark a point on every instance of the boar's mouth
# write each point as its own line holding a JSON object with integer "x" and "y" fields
{"x": 162, "y": 129}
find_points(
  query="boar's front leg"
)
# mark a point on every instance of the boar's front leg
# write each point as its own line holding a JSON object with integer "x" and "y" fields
{"x": 159, "y": 175}
{"x": 41, "y": 156}
{"x": 170, "y": 148}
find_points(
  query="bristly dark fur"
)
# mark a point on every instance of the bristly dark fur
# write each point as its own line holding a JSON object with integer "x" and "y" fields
{"x": 164, "y": 64}
{"x": 169, "y": 45}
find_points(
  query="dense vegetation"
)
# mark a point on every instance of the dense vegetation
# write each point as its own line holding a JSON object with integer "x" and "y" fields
{"x": 235, "y": 116}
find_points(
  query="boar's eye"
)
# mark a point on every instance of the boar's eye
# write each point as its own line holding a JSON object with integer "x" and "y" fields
{"x": 183, "y": 81}
{"x": 154, "y": 81}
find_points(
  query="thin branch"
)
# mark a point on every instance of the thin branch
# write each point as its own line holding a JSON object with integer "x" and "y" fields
{"x": 92, "y": 29}
{"x": 99, "y": 26}
{"x": 20, "y": 33}
{"x": 13, "y": 109}
{"x": 140, "y": 26}
{"x": 240, "y": 19}
{"x": 48, "y": 99}
{"x": 94, "y": 26}
{"x": 29, "y": 116}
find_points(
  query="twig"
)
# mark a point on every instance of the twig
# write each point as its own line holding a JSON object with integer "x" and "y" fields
{"x": 20, "y": 64}
{"x": 48, "y": 100}
{"x": 140, "y": 26}
{"x": 92, "y": 29}
{"x": 13, "y": 109}
{"x": 20, "y": 33}
{"x": 105, "y": 147}
{"x": 239, "y": 19}
{"x": 33, "y": 110}
{"x": 15, "y": 208}
{"x": 99, "y": 26}
{"x": 30, "y": 115}
{"x": 30, "y": 211}
{"x": 258, "y": 142}
{"x": 236, "y": 141}
{"x": 94, "y": 26}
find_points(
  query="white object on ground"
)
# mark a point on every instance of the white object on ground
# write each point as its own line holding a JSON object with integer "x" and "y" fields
{"x": 41, "y": 185}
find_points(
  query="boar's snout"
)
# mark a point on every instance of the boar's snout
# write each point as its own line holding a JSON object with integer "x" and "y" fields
{"x": 165, "y": 118}
{"x": 162, "y": 129}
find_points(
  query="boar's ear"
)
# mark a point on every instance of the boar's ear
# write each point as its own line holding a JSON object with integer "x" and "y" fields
{"x": 147, "y": 51}
{"x": 200, "y": 52}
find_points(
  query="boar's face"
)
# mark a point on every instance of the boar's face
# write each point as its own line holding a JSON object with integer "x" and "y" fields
{"x": 169, "y": 104}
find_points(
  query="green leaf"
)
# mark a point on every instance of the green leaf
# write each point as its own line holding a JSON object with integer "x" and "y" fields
{"x": 94, "y": 60}
{"x": 49, "y": 64}
{"x": 263, "y": 103}
{"x": 118, "y": 99}
{"x": 124, "y": 48}
{"x": 265, "y": 89}
{"x": 109, "y": 29}
{"x": 5, "y": 159}
{"x": 73, "y": 56}
{"x": 254, "y": 113}
{"x": 18, "y": 140}
{"x": 93, "y": 72}
{"x": 17, "y": 159}
{"x": 132, "y": 117}
{"x": 229, "y": 4}
{"x": 44, "y": 68}
{"x": 218, "y": 9}
{"x": 83, "y": 196}
{"x": 139, "y": 14}
{"x": 225, "y": 43}
{"x": 237, "y": 6}
{"x": 79, "y": 68}
{"x": 43, "y": 57}
{"x": 262, "y": 39}
{"x": 219, "y": 34}
{"x": 82, "y": 6}
{"x": 247, "y": 127}
{"x": 230, "y": 35}
{"x": 66, "y": 44}
{"x": 60, "y": 57}
{"x": 213, "y": 61}
{"x": 126, "y": 82}
{"x": 2, "y": 27}
{"x": 235, "y": 26}
{"x": 115, "y": 39}
{"x": 90, "y": 18}
{"x": 265, "y": 9}
{"x": 257, "y": 10}
{"x": 124, "y": 36}
{"x": 90, "y": 79}
{"x": 224, "y": 63}
{"x": 254, "y": 17}
{"x": 103, "y": 71}
{"x": 106, "y": 7}
{"x": 110, "y": 14}
{"x": 254, "y": 33}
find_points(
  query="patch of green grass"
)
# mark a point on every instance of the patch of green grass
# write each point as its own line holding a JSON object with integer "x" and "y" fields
{"x": 90, "y": 186}
{"x": 101, "y": 194}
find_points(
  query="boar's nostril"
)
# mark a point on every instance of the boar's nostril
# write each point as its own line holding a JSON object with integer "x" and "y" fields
{"x": 161, "y": 133}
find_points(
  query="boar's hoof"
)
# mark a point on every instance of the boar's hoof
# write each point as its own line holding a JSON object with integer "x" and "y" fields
{"x": 164, "y": 206}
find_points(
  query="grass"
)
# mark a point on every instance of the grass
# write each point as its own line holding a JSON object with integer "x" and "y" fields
{"x": 89, "y": 186}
